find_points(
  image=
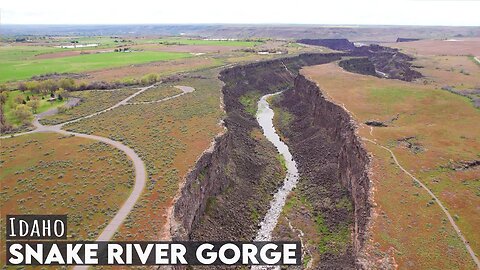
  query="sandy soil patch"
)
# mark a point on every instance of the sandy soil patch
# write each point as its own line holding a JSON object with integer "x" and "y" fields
{"x": 469, "y": 46}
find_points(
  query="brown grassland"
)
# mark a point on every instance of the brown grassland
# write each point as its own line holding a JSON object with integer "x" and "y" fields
{"x": 408, "y": 225}
{"x": 445, "y": 63}
{"x": 52, "y": 174}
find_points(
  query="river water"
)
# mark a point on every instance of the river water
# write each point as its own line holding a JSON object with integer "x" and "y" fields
{"x": 265, "y": 119}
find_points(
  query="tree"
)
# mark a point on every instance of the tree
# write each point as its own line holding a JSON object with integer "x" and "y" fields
{"x": 61, "y": 93}
{"x": 34, "y": 104}
{"x": 22, "y": 86}
{"x": 48, "y": 86}
{"x": 67, "y": 84}
{"x": 18, "y": 99}
{"x": 33, "y": 87}
{"x": 149, "y": 79}
{"x": 23, "y": 113}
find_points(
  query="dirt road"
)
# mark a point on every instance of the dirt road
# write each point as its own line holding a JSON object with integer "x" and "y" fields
{"x": 140, "y": 171}
{"x": 450, "y": 219}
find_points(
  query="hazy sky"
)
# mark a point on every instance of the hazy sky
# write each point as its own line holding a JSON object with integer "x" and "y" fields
{"x": 404, "y": 12}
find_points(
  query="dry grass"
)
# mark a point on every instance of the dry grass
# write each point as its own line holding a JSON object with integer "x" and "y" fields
{"x": 460, "y": 72}
{"x": 157, "y": 93}
{"x": 91, "y": 101}
{"x": 446, "y": 127}
{"x": 464, "y": 46}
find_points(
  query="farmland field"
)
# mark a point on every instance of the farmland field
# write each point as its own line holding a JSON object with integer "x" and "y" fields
{"x": 13, "y": 69}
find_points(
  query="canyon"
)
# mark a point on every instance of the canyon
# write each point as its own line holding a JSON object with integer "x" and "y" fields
{"x": 228, "y": 192}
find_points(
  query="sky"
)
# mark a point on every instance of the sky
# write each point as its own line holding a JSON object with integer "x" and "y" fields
{"x": 336, "y": 12}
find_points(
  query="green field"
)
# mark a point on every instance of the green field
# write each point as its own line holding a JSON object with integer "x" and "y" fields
{"x": 21, "y": 65}
{"x": 17, "y": 53}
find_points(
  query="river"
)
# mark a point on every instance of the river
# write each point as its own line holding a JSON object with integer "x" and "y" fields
{"x": 265, "y": 119}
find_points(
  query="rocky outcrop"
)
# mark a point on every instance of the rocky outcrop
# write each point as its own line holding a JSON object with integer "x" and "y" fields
{"x": 359, "y": 65}
{"x": 407, "y": 39}
{"x": 338, "y": 44}
{"x": 388, "y": 62}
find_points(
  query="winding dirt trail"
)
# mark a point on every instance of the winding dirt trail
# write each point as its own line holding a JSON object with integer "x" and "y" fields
{"x": 139, "y": 165}
{"x": 444, "y": 209}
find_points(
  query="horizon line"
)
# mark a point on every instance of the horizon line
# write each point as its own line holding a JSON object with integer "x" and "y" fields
{"x": 234, "y": 24}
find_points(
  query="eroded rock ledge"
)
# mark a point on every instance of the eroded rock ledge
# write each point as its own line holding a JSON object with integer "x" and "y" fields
{"x": 324, "y": 143}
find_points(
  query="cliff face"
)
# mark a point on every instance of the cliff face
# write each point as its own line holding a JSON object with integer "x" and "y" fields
{"x": 307, "y": 102}
{"x": 229, "y": 190}
{"x": 358, "y": 65}
{"x": 389, "y": 61}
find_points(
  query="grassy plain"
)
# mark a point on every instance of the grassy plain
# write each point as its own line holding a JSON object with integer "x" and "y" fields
{"x": 91, "y": 101}
{"x": 51, "y": 174}
{"x": 157, "y": 93}
{"x": 444, "y": 126}
{"x": 446, "y": 63}
{"x": 169, "y": 137}
{"x": 17, "y": 69}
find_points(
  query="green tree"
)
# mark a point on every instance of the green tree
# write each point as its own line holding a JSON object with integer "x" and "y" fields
{"x": 33, "y": 86}
{"x": 23, "y": 113}
{"x": 67, "y": 84}
{"x": 34, "y": 104}
{"x": 18, "y": 99}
